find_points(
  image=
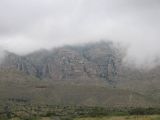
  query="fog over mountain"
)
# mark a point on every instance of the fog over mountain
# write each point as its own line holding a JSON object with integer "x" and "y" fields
{"x": 63, "y": 75}
{"x": 26, "y": 26}
{"x": 69, "y": 59}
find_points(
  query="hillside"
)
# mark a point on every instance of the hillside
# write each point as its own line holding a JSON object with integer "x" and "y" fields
{"x": 26, "y": 89}
{"x": 91, "y": 74}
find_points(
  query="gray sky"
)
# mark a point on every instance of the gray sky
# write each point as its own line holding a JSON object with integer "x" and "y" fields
{"x": 28, "y": 25}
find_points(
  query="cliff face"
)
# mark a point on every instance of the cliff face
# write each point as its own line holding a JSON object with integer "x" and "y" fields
{"x": 80, "y": 75}
{"x": 99, "y": 62}
{"x": 93, "y": 61}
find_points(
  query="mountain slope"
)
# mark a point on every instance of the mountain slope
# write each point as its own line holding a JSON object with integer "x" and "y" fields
{"x": 97, "y": 61}
{"x": 24, "y": 89}
{"x": 92, "y": 74}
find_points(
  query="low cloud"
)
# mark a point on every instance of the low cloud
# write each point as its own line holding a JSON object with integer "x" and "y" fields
{"x": 26, "y": 26}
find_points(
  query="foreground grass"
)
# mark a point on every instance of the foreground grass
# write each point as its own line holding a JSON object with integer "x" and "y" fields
{"x": 132, "y": 117}
{"x": 135, "y": 117}
{"x": 33, "y": 112}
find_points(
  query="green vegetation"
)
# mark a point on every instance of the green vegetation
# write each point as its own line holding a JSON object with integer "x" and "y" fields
{"x": 139, "y": 117}
{"x": 67, "y": 83}
{"x": 38, "y": 112}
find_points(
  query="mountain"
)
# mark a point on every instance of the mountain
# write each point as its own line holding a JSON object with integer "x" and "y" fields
{"x": 91, "y": 74}
{"x": 96, "y": 61}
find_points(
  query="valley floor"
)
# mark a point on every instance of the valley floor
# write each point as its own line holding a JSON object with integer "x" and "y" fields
{"x": 139, "y": 117}
{"x": 135, "y": 117}
{"x": 49, "y": 112}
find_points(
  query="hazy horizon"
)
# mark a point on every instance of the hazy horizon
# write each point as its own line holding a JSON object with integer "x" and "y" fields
{"x": 26, "y": 26}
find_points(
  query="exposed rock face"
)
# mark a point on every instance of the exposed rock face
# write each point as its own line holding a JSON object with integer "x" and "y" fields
{"x": 93, "y": 61}
{"x": 93, "y": 69}
{"x": 13, "y": 61}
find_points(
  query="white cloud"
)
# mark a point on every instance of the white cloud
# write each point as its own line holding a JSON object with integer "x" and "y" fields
{"x": 29, "y": 25}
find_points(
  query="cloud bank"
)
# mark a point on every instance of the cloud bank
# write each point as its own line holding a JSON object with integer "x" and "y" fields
{"x": 28, "y": 25}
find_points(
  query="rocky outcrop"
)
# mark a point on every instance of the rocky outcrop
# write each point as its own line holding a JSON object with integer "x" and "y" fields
{"x": 92, "y": 61}
{"x": 75, "y": 74}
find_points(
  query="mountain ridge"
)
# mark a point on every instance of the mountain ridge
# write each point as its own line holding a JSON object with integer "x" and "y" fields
{"x": 74, "y": 68}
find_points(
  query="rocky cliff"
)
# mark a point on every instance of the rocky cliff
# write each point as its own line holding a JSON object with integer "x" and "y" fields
{"x": 92, "y": 61}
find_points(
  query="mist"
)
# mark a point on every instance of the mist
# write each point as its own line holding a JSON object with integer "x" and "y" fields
{"x": 26, "y": 26}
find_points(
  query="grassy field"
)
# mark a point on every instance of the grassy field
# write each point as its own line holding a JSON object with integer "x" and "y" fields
{"x": 140, "y": 117}
{"x": 49, "y": 112}
{"x": 134, "y": 117}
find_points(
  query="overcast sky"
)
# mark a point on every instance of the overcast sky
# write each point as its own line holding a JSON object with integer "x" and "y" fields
{"x": 28, "y": 25}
